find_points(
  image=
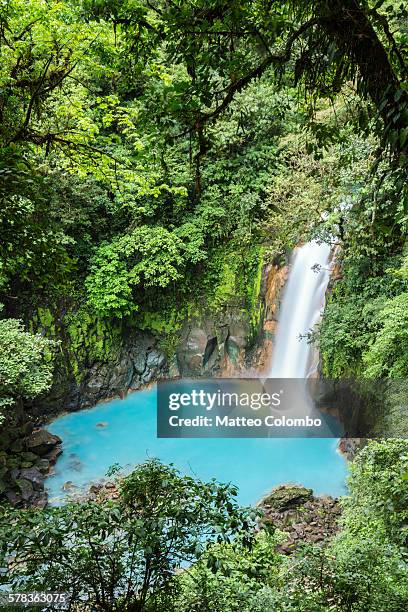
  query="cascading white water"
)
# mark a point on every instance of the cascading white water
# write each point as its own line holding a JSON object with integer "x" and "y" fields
{"x": 255, "y": 464}
{"x": 300, "y": 310}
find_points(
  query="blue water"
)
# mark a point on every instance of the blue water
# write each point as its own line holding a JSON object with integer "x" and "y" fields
{"x": 129, "y": 437}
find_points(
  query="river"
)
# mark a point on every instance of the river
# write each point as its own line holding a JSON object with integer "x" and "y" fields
{"x": 124, "y": 431}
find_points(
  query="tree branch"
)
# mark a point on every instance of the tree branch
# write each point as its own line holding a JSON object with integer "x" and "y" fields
{"x": 272, "y": 59}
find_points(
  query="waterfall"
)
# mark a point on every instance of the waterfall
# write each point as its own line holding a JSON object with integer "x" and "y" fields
{"x": 255, "y": 464}
{"x": 302, "y": 304}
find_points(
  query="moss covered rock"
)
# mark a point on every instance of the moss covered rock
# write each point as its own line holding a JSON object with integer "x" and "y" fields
{"x": 286, "y": 497}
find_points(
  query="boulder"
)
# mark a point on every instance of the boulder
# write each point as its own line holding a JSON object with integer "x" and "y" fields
{"x": 14, "y": 474}
{"x": 53, "y": 455}
{"x": 191, "y": 353}
{"x": 139, "y": 362}
{"x": 17, "y": 446}
{"x": 39, "y": 500}
{"x": 237, "y": 341}
{"x": 33, "y": 475}
{"x": 29, "y": 457}
{"x": 43, "y": 465}
{"x": 288, "y": 496}
{"x": 68, "y": 486}
{"x": 139, "y": 348}
{"x": 42, "y": 442}
{"x": 303, "y": 517}
{"x": 26, "y": 489}
{"x": 155, "y": 359}
{"x": 198, "y": 353}
{"x": 148, "y": 376}
{"x": 13, "y": 497}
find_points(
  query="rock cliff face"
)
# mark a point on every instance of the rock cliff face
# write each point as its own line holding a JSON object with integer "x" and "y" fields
{"x": 273, "y": 283}
{"x": 135, "y": 362}
{"x": 231, "y": 345}
{"x": 209, "y": 347}
{"x": 224, "y": 344}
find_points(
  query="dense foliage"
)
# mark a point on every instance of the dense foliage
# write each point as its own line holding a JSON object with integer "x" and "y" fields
{"x": 143, "y": 145}
{"x": 122, "y": 555}
{"x": 25, "y": 368}
{"x": 173, "y": 543}
{"x": 153, "y": 156}
{"x": 363, "y": 568}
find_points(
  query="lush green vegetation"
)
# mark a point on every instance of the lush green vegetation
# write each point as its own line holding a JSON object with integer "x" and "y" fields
{"x": 154, "y": 155}
{"x": 25, "y": 367}
{"x": 122, "y": 555}
{"x": 363, "y": 568}
{"x": 364, "y": 329}
{"x": 145, "y": 147}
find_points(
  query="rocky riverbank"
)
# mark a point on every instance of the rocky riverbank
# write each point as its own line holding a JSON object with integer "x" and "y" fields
{"x": 293, "y": 509}
{"x": 349, "y": 447}
{"x": 303, "y": 516}
{"x": 25, "y": 462}
{"x": 222, "y": 346}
